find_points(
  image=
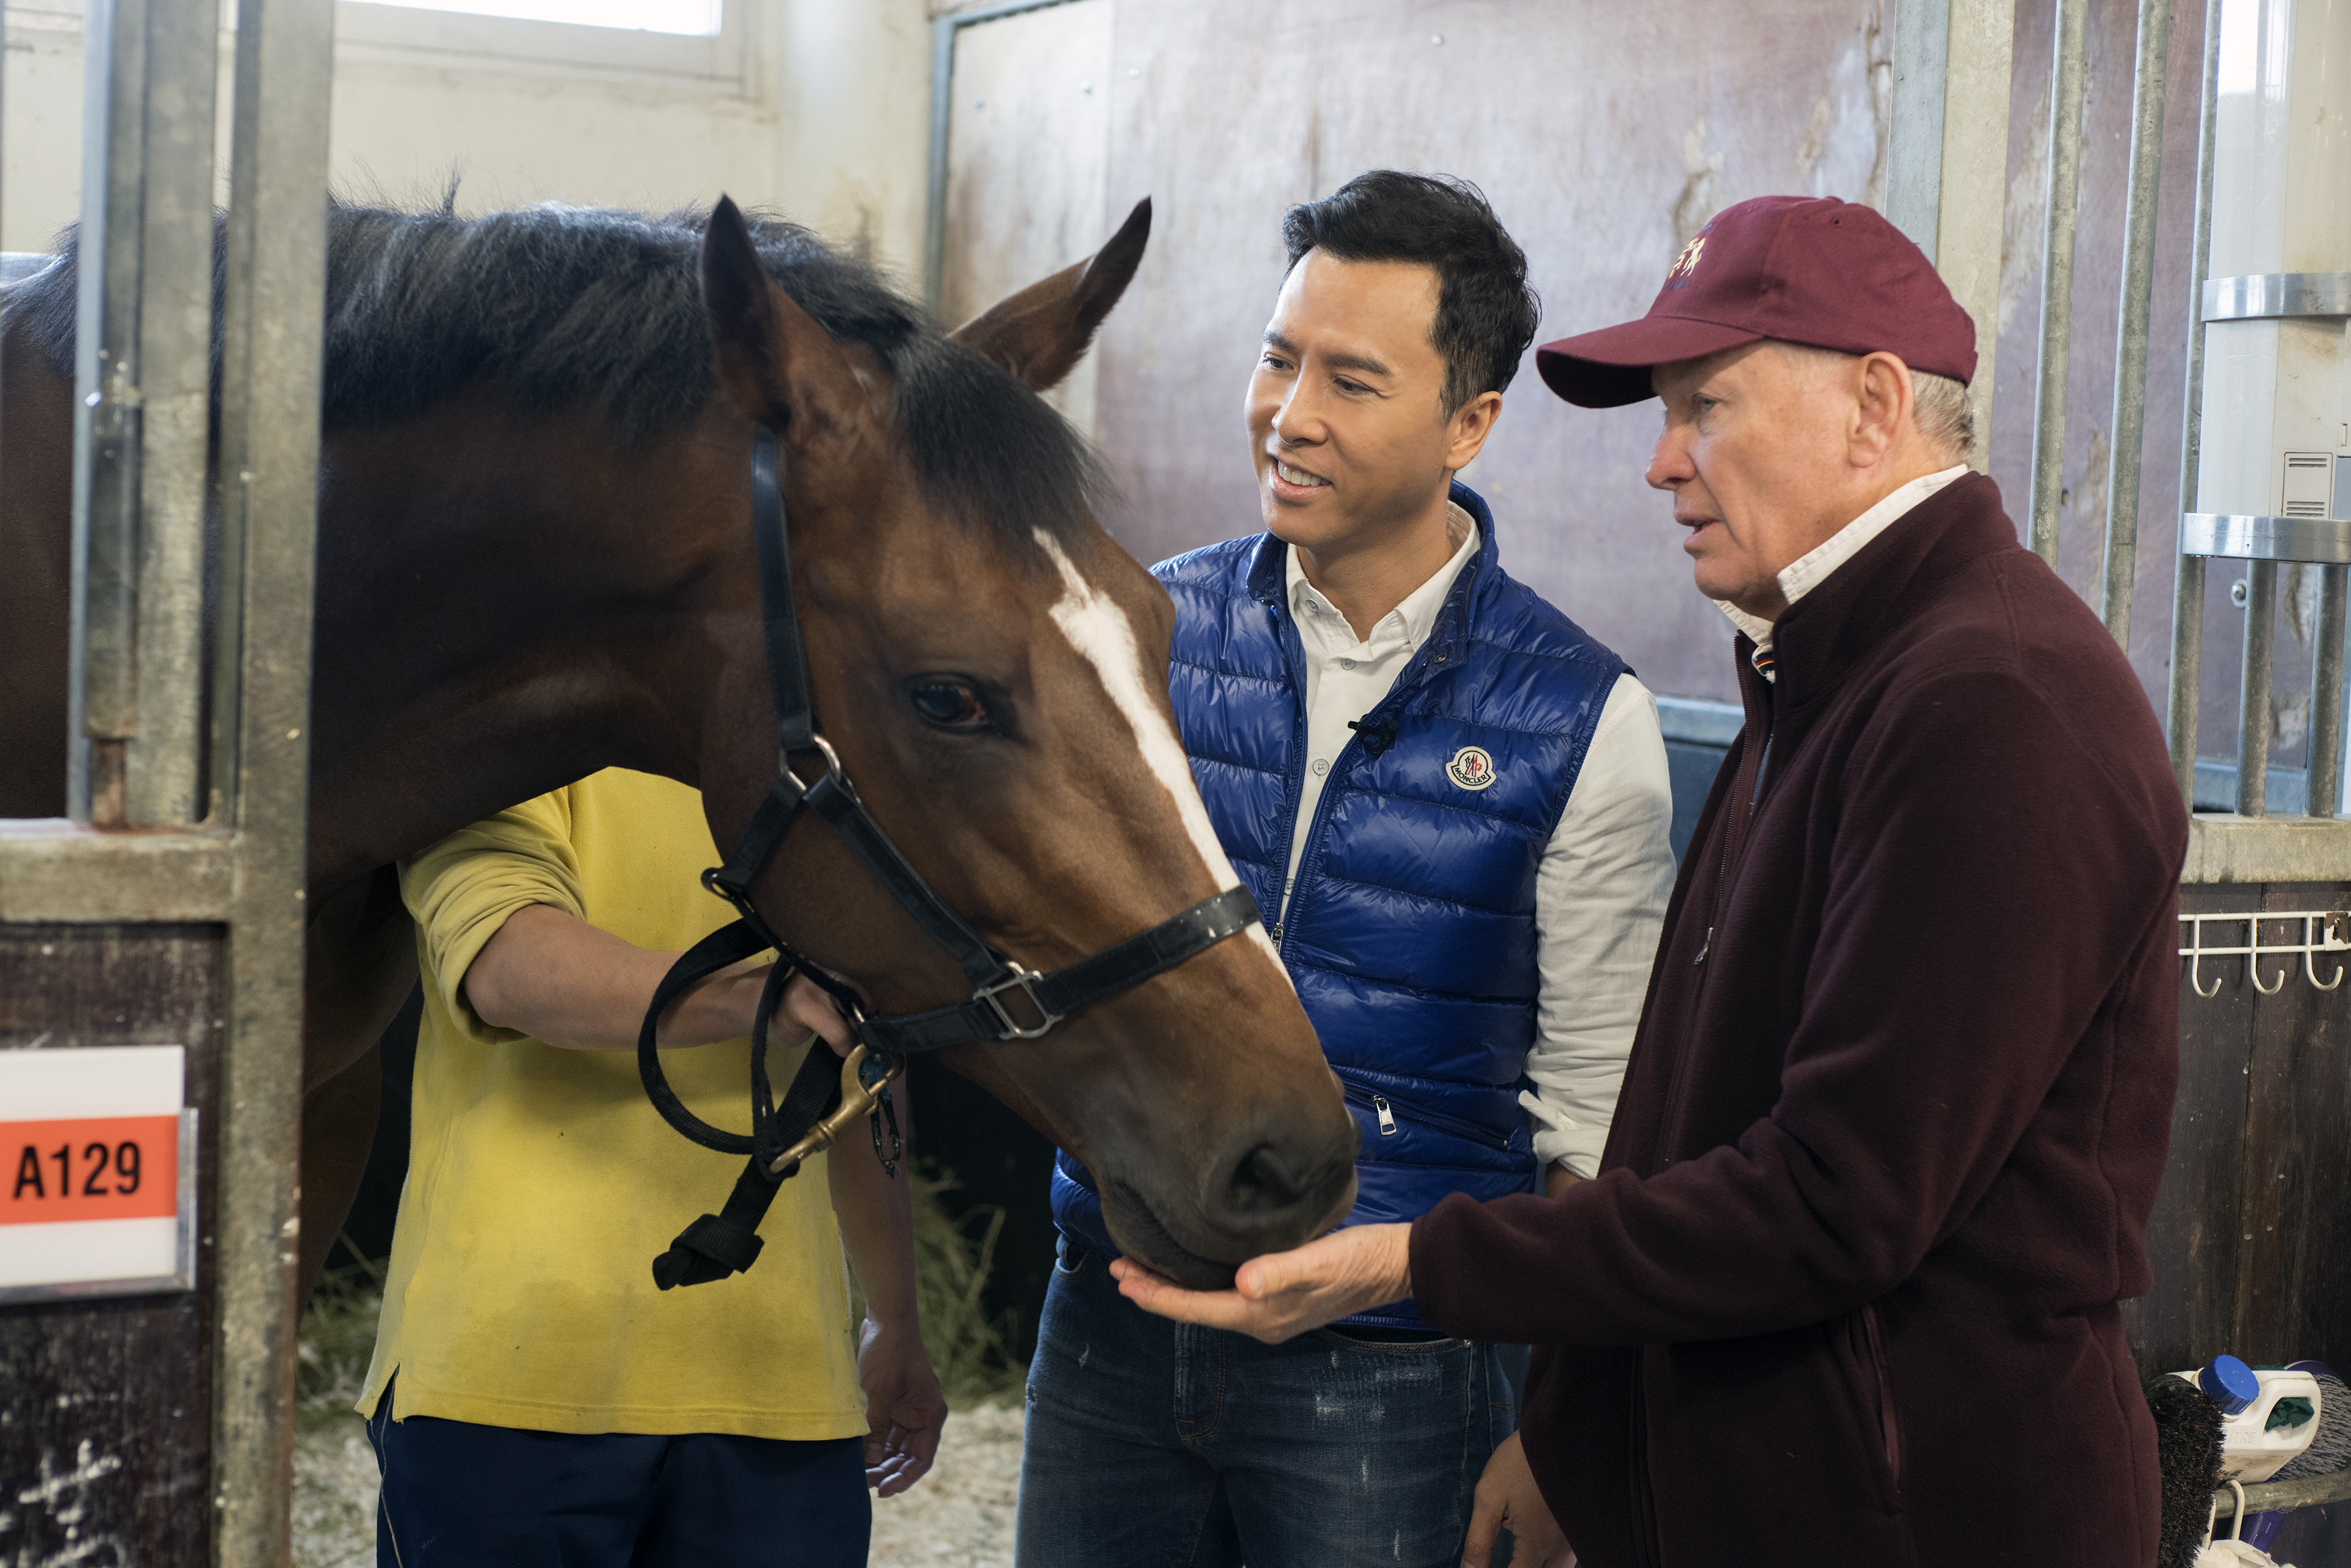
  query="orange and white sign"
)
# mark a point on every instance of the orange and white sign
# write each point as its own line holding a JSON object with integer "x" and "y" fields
{"x": 91, "y": 1163}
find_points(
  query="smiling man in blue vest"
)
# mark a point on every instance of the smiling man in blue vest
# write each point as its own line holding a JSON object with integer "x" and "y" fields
{"x": 1453, "y": 802}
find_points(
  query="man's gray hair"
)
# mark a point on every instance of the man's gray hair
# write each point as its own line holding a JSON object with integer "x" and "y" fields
{"x": 1945, "y": 417}
{"x": 1941, "y": 410}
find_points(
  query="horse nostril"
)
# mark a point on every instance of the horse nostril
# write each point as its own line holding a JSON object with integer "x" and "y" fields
{"x": 1263, "y": 1180}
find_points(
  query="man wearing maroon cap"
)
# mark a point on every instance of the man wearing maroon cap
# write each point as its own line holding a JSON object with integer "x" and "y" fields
{"x": 1846, "y": 1289}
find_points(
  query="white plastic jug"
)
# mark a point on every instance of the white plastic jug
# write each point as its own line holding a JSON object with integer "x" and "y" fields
{"x": 2251, "y": 1451}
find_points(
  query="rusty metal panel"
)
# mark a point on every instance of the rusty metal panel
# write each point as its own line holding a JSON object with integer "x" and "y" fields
{"x": 1036, "y": 80}
{"x": 1605, "y": 135}
{"x": 55, "y": 869}
{"x": 106, "y": 1426}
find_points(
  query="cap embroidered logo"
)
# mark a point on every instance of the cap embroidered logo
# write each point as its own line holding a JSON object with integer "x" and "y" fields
{"x": 1471, "y": 768}
{"x": 1686, "y": 263}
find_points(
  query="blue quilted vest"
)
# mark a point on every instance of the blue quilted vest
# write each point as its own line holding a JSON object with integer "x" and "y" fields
{"x": 1411, "y": 931}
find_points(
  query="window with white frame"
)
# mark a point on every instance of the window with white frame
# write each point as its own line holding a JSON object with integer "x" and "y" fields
{"x": 677, "y": 38}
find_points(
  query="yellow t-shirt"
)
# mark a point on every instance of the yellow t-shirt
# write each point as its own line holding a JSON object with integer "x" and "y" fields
{"x": 541, "y": 1183}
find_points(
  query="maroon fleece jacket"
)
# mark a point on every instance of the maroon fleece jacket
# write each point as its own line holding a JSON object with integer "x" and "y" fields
{"x": 1844, "y": 1291}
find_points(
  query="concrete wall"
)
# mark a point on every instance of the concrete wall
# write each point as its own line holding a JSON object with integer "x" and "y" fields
{"x": 1605, "y": 135}
{"x": 827, "y": 125}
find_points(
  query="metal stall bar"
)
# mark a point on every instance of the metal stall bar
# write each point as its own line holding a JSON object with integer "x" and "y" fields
{"x": 2063, "y": 188}
{"x": 5, "y": 279}
{"x": 1914, "y": 143}
{"x": 2151, "y": 66}
{"x": 102, "y": 705}
{"x": 2188, "y": 594}
{"x": 273, "y": 326}
{"x": 2325, "y": 751}
{"x": 172, "y": 377}
{"x": 2253, "y": 689}
{"x": 141, "y": 384}
{"x": 1947, "y": 158}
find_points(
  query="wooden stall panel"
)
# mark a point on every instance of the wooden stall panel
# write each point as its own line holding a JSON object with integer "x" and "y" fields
{"x": 2246, "y": 1238}
{"x": 106, "y": 1407}
{"x": 1028, "y": 149}
{"x": 2194, "y": 1236}
{"x": 2293, "y": 1278}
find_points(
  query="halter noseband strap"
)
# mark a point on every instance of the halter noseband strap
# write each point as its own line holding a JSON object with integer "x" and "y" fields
{"x": 781, "y": 1136}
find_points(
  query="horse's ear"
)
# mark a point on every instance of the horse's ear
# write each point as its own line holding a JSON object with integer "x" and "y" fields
{"x": 1039, "y": 333}
{"x": 780, "y": 366}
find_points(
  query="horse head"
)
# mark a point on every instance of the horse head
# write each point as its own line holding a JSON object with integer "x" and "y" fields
{"x": 990, "y": 667}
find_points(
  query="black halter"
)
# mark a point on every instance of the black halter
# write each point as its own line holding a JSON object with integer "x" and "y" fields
{"x": 1008, "y": 1002}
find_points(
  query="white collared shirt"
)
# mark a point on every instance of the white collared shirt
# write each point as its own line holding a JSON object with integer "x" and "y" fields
{"x": 1811, "y": 569}
{"x": 1600, "y": 888}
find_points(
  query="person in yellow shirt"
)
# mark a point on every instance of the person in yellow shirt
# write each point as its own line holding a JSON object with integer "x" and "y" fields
{"x": 535, "y": 1399}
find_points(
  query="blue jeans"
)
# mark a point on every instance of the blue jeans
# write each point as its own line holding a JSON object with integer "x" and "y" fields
{"x": 1152, "y": 1444}
{"x": 458, "y": 1495}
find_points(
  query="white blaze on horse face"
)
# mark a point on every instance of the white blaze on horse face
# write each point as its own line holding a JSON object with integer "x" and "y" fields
{"x": 1099, "y": 630}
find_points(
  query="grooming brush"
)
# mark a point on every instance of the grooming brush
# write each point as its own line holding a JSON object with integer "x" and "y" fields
{"x": 2188, "y": 1456}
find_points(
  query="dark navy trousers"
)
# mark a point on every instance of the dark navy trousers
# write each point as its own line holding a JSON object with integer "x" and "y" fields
{"x": 457, "y": 1495}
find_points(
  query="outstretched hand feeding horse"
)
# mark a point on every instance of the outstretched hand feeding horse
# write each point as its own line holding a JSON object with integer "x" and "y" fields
{"x": 533, "y": 564}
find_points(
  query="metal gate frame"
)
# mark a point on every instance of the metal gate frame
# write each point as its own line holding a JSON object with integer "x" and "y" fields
{"x": 1947, "y": 162}
{"x": 1945, "y": 79}
{"x": 190, "y": 756}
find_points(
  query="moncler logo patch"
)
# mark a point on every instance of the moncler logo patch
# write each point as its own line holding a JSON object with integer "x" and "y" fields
{"x": 1472, "y": 767}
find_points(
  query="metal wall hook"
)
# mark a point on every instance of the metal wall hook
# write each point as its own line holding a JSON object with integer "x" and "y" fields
{"x": 2334, "y": 926}
{"x": 2254, "y": 967}
{"x": 2322, "y": 931}
{"x": 2195, "y": 955}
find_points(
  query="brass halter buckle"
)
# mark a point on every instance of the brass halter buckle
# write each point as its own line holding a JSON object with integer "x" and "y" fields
{"x": 860, "y": 1096}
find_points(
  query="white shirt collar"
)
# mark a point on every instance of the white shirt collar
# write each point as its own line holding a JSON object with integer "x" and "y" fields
{"x": 1807, "y": 572}
{"x": 1411, "y": 621}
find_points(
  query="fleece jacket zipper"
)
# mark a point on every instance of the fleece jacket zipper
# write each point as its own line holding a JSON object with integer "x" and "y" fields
{"x": 1734, "y": 849}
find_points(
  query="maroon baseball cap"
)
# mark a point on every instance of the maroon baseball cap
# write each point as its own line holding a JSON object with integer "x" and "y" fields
{"x": 1803, "y": 269}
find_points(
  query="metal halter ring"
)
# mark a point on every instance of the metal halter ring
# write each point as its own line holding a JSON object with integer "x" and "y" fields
{"x": 1025, "y": 982}
{"x": 831, "y": 757}
{"x": 859, "y": 1097}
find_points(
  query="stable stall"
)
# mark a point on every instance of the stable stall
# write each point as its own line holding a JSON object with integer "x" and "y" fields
{"x": 151, "y": 941}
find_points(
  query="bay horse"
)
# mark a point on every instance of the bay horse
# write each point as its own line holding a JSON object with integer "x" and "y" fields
{"x": 535, "y": 562}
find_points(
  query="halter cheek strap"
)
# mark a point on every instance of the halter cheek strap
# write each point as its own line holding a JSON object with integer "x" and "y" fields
{"x": 1006, "y": 1002}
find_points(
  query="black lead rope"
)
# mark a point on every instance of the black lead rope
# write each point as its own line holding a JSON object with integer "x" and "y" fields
{"x": 1006, "y": 1002}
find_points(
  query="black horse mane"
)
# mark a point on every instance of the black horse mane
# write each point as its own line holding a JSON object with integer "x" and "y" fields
{"x": 568, "y": 307}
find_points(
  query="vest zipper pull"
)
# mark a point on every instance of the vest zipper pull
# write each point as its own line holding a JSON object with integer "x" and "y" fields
{"x": 1387, "y": 1117}
{"x": 1704, "y": 948}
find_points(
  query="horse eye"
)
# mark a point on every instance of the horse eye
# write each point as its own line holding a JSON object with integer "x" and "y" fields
{"x": 949, "y": 705}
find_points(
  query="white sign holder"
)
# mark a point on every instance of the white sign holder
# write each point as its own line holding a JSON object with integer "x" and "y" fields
{"x": 97, "y": 1174}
